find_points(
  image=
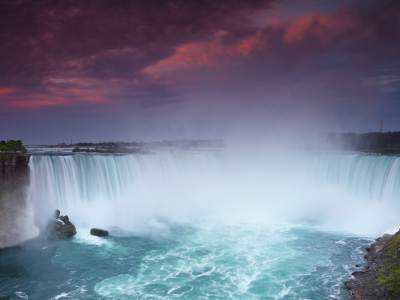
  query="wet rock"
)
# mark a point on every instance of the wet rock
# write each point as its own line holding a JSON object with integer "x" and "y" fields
{"x": 358, "y": 274}
{"x": 368, "y": 256}
{"x": 115, "y": 230}
{"x": 65, "y": 219}
{"x": 57, "y": 229}
{"x": 98, "y": 232}
{"x": 357, "y": 266}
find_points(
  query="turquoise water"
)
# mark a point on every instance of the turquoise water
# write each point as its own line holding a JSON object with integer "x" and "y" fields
{"x": 203, "y": 225}
{"x": 187, "y": 261}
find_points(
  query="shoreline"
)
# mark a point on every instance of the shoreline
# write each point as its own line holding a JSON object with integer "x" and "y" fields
{"x": 381, "y": 278}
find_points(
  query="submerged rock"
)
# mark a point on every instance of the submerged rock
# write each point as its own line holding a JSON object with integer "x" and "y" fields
{"x": 115, "y": 230}
{"x": 98, "y": 232}
{"x": 60, "y": 227}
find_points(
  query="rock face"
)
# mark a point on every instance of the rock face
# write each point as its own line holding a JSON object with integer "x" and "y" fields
{"x": 98, "y": 232}
{"x": 60, "y": 228}
{"x": 16, "y": 223}
{"x": 381, "y": 279}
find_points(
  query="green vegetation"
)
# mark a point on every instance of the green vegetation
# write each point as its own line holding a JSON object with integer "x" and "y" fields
{"x": 12, "y": 145}
{"x": 389, "y": 277}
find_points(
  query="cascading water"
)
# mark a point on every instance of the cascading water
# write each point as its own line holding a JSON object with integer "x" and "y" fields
{"x": 205, "y": 181}
{"x": 67, "y": 181}
{"x": 234, "y": 227}
{"x": 370, "y": 176}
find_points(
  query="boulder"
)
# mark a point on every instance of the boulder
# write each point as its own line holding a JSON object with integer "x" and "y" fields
{"x": 57, "y": 230}
{"x": 98, "y": 232}
{"x": 60, "y": 228}
{"x": 358, "y": 274}
{"x": 384, "y": 237}
{"x": 65, "y": 219}
{"x": 115, "y": 230}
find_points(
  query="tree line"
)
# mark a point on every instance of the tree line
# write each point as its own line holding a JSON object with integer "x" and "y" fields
{"x": 12, "y": 145}
{"x": 185, "y": 144}
{"x": 385, "y": 142}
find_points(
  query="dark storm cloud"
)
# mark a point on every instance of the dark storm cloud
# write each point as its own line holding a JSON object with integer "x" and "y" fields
{"x": 40, "y": 39}
{"x": 149, "y": 61}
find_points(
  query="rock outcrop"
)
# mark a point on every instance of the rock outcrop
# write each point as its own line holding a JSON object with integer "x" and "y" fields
{"x": 16, "y": 220}
{"x": 98, "y": 232}
{"x": 381, "y": 279}
{"x": 60, "y": 227}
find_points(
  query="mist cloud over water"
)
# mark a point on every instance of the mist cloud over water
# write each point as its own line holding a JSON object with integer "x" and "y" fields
{"x": 231, "y": 187}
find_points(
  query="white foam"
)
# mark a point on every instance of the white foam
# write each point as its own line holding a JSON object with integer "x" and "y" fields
{"x": 22, "y": 295}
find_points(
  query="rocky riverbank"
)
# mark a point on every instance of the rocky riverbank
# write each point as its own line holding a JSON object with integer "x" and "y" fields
{"x": 381, "y": 279}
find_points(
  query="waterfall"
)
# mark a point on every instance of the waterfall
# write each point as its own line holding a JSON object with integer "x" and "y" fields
{"x": 368, "y": 176}
{"x": 127, "y": 188}
{"x": 64, "y": 181}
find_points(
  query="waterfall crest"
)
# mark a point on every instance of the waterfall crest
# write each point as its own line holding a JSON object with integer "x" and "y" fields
{"x": 64, "y": 181}
{"x": 122, "y": 189}
{"x": 368, "y": 176}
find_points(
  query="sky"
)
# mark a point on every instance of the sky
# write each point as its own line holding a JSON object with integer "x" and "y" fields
{"x": 136, "y": 70}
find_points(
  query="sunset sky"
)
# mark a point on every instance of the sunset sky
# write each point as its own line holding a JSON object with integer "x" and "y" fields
{"x": 153, "y": 70}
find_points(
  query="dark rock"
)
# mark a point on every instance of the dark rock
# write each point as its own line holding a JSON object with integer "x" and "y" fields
{"x": 386, "y": 237}
{"x": 65, "y": 219}
{"x": 358, "y": 274}
{"x": 380, "y": 293}
{"x": 357, "y": 266}
{"x": 115, "y": 230}
{"x": 98, "y": 232}
{"x": 57, "y": 230}
{"x": 368, "y": 256}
